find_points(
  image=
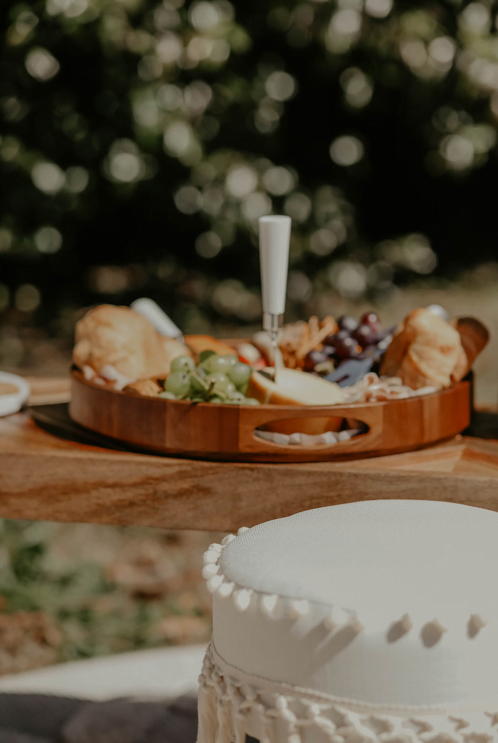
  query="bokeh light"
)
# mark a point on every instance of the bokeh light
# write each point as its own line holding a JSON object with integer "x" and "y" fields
{"x": 240, "y": 181}
{"x": 257, "y": 205}
{"x": 192, "y": 120}
{"x": 349, "y": 278}
{"x": 77, "y": 179}
{"x": 357, "y": 87}
{"x": 41, "y": 64}
{"x": 346, "y": 150}
{"x": 48, "y": 177}
{"x": 278, "y": 180}
{"x": 204, "y": 16}
{"x": 188, "y": 200}
{"x": 208, "y": 244}
{"x": 280, "y": 86}
{"x": 378, "y": 8}
{"x": 27, "y": 298}
{"x": 48, "y": 239}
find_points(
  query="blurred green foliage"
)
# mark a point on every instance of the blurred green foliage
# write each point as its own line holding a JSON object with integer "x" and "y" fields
{"x": 118, "y": 590}
{"x": 142, "y": 139}
{"x": 69, "y": 597}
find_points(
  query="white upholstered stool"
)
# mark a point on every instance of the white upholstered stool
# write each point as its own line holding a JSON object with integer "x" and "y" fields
{"x": 373, "y": 621}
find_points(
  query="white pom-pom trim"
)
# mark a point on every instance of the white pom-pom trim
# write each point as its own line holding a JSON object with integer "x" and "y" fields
{"x": 211, "y": 557}
{"x": 214, "y": 583}
{"x": 355, "y": 624}
{"x": 225, "y": 590}
{"x": 437, "y": 631}
{"x": 335, "y": 618}
{"x": 242, "y": 598}
{"x": 210, "y": 570}
{"x": 406, "y": 623}
{"x": 268, "y": 605}
{"x": 476, "y": 624}
{"x": 297, "y": 608}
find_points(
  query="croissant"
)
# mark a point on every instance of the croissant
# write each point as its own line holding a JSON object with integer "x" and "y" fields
{"x": 425, "y": 351}
{"x": 120, "y": 338}
{"x": 428, "y": 351}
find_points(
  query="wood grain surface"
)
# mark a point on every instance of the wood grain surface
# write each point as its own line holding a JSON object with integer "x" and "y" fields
{"x": 227, "y": 432}
{"x": 49, "y": 390}
{"x": 48, "y": 477}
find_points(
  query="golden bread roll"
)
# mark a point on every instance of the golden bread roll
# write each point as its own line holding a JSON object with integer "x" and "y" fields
{"x": 425, "y": 351}
{"x": 121, "y": 338}
{"x": 200, "y": 343}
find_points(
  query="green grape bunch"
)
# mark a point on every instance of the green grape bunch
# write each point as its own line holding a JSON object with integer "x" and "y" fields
{"x": 216, "y": 378}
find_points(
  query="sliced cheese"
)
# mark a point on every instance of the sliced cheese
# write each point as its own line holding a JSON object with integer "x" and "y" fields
{"x": 294, "y": 387}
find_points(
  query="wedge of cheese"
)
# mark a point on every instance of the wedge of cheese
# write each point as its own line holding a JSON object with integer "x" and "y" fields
{"x": 297, "y": 388}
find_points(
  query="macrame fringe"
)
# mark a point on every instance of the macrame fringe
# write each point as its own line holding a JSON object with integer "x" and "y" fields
{"x": 229, "y": 709}
{"x": 225, "y": 727}
{"x": 208, "y": 717}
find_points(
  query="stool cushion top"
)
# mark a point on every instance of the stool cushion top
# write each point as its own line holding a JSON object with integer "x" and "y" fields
{"x": 378, "y": 558}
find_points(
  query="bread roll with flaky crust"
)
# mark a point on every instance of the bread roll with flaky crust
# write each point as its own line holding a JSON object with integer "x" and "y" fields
{"x": 123, "y": 339}
{"x": 474, "y": 337}
{"x": 425, "y": 351}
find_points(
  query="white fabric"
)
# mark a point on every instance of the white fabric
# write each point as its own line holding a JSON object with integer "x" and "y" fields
{"x": 379, "y": 561}
{"x": 233, "y": 704}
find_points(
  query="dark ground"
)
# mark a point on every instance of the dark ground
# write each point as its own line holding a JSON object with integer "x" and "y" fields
{"x": 29, "y": 718}
{"x": 36, "y": 718}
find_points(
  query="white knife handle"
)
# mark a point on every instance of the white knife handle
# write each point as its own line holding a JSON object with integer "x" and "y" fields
{"x": 159, "y": 319}
{"x": 274, "y": 237}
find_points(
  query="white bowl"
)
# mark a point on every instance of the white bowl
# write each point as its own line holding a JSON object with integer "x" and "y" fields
{"x": 12, "y": 402}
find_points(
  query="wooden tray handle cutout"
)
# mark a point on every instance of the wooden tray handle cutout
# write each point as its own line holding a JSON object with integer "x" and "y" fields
{"x": 360, "y": 433}
{"x": 370, "y": 415}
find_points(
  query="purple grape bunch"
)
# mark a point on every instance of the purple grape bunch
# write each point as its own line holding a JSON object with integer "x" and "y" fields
{"x": 353, "y": 340}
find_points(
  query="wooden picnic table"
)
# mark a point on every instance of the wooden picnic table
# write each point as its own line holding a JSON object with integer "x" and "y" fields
{"x": 45, "y": 474}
